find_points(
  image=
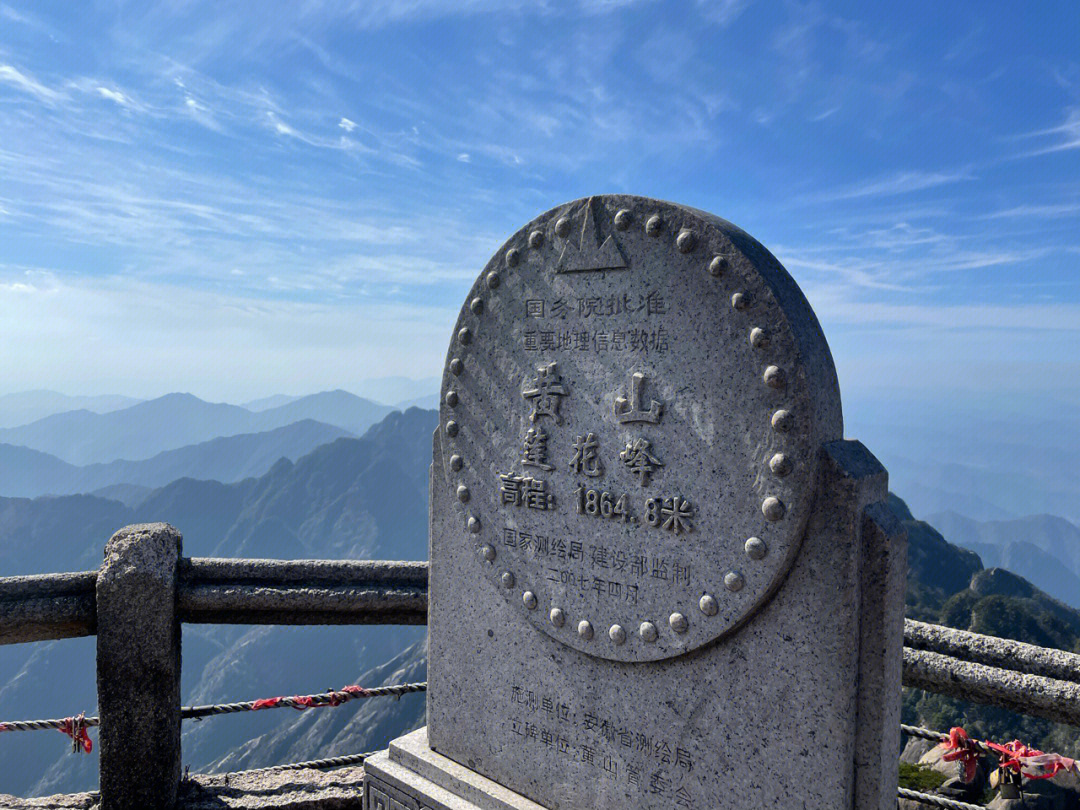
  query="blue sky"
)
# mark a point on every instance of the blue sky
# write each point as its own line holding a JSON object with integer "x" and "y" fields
{"x": 240, "y": 199}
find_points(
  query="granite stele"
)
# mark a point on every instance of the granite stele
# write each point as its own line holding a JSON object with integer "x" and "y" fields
{"x": 659, "y": 576}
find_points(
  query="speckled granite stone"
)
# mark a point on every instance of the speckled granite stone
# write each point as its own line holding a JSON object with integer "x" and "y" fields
{"x": 655, "y": 582}
{"x": 339, "y": 789}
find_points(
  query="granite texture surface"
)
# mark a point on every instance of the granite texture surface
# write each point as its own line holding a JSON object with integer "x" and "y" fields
{"x": 340, "y": 789}
{"x": 632, "y": 419}
{"x": 420, "y": 779}
{"x": 654, "y": 579}
{"x": 138, "y": 668}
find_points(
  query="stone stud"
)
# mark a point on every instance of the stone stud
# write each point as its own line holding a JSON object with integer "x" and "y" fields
{"x": 463, "y": 493}
{"x": 456, "y": 462}
{"x": 734, "y": 581}
{"x": 755, "y": 548}
{"x": 451, "y": 428}
{"x": 774, "y": 377}
{"x": 487, "y": 552}
{"x": 678, "y": 623}
{"x": 783, "y": 421}
{"x": 648, "y": 632}
{"x": 477, "y": 305}
{"x": 562, "y": 227}
{"x": 557, "y": 617}
{"x": 622, "y": 219}
{"x": 780, "y": 465}
{"x": 451, "y": 398}
{"x": 473, "y": 525}
{"x": 708, "y": 605}
{"x": 617, "y": 634}
{"x": 685, "y": 241}
{"x": 718, "y": 265}
{"x": 529, "y": 598}
{"x": 584, "y": 629}
{"x": 493, "y": 279}
{"x": 507, "y": 579}
{"x": 740, "y": 301}
{"x": 513, "y": 256}
{"x": 772, "y": 508}
{"x": 653, "y": 225}
{"x": 759, "y": 338}
{"x": 456, "y": 366}
{"x": 536, "y": 239}
{"x": 465, "y": 335}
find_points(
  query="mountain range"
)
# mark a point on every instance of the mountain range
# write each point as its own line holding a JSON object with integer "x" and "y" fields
{"x": 28, "y": 406}
{"x": 357, "y": 498}
{"x": 29, "y": 473}
{"x": 1042, "y": 548}
{"x": 173, "y": 421}
{"x": 353, "y": 498}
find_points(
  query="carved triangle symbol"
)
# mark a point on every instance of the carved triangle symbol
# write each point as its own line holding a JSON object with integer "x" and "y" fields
{"x": 591, "y": 253}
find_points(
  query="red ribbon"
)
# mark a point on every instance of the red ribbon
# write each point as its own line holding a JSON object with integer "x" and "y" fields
{"x": 1014, "y": 756}
{"x": 301, "y": 702}
{"x": 959, "y": 747}
{"x": 76, "y": 729}
{"x": 1032, "y": 763}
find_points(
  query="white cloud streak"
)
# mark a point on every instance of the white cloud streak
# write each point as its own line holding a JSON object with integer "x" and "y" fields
{"x": 904, "y": 182}
{"x": 13, "y": 77}
{"x": 1067, "y": 135}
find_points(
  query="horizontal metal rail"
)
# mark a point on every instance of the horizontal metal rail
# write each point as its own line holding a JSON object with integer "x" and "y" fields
{"x": 969, "y": 666}
{"x": 211, "y": 591}
{"x": 45, "y": 607}
{"x": 992, "y": 651}
{"x": 218, "y": 591}
{"x": 1036, "y": 695}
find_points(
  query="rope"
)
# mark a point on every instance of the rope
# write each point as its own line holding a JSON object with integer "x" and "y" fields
{"x": 938, "y": 737}
{"x": 322, "y": 764}
{"x": 328, "y": 698}
{"x": 75, "y": 727}
{"x": 39, "y": 725}
{"x": 935, "y": 801}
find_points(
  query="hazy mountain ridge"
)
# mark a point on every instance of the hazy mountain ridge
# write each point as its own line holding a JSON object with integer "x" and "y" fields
{"x": 27, "y": 473}
{"x": 367, "y": 497}
{"x": 178, "y": 420}
{"x": 351, "y": 498}
{"x": 24, "y": 407}
{"x": 1043, "y": 548}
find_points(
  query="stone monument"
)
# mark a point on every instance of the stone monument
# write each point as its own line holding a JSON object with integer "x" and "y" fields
{"x": 659, "y": 576}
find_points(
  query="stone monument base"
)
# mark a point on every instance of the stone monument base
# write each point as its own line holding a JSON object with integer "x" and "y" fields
{"x": 410, "y": 776}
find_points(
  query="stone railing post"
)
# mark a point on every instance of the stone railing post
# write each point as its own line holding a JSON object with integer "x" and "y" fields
{"x": 138, "y": 668}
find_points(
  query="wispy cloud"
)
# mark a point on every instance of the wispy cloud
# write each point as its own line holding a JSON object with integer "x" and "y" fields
{"x": 13, "y": 77}
{"x": 722, "y": 12}
{"x": 114, "y": 95}
{"x": 1057, "y": 210}
{"x": 904, "y": 182}
{"x": 1066, "y": 135}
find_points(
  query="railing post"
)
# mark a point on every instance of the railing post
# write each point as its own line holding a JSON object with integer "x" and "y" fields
{"x": 138, "y": 668}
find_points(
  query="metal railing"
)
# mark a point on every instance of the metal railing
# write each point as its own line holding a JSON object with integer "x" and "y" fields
{"x": 135, "y": 604}
{"x": 146, "y": 589}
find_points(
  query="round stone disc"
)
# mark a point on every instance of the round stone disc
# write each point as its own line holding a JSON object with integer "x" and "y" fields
{"x": 632, "y": 412}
